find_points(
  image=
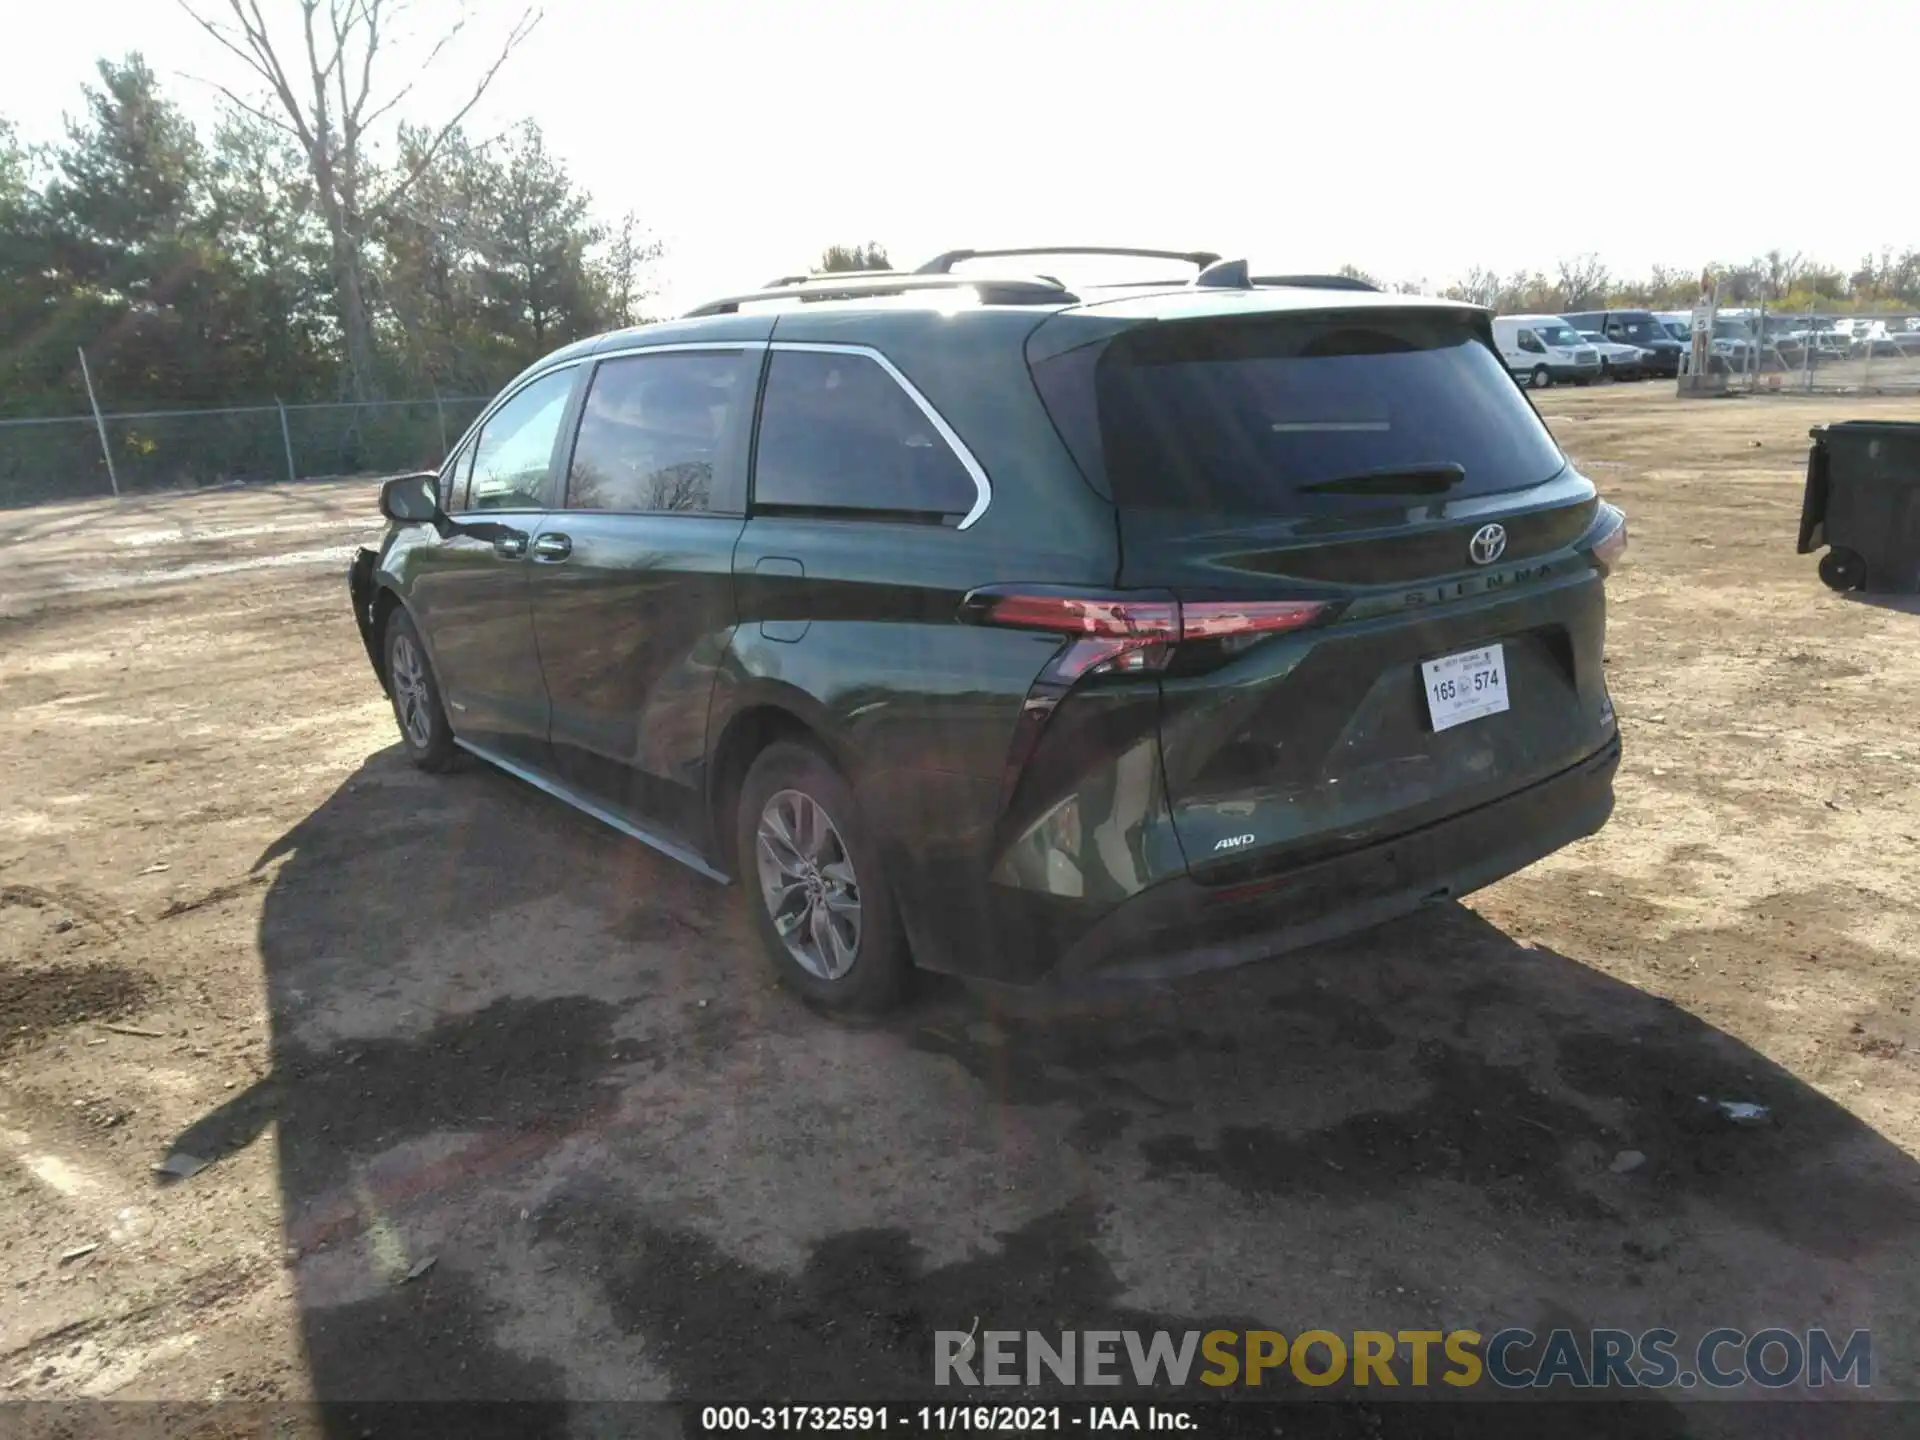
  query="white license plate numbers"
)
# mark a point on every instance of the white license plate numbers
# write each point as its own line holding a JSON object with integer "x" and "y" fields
{"x": 1465, "y": 686}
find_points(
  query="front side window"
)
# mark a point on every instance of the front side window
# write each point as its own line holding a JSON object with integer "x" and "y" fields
{"x": 658, "y": 432}
{"x": 839, "y": 435}
{"x": 515, "y": 449}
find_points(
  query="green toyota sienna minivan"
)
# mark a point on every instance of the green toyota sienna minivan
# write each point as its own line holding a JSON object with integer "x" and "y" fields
{"x": 969, "y": 622}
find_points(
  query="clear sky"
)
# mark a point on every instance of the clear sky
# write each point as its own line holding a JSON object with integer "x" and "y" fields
{"x": 1411, "y": 139}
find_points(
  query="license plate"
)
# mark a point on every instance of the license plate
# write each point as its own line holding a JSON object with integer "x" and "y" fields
{"x": 1465, "y": 686}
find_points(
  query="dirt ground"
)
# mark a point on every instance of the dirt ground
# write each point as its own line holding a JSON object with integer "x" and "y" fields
{"x": 444, "y": 1028}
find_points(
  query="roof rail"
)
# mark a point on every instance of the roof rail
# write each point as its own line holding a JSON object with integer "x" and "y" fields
{"x": 1234, "y": 275}
{"x": 816, "y": 276}
{"x": 851, "y": 285}
{"x": 943, "y": 263}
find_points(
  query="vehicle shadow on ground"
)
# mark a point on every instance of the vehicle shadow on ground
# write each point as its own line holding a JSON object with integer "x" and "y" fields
{"x": 1905, "y": 604}
{"x": 545, "y": 1132}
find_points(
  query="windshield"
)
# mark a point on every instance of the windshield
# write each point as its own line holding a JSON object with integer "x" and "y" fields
{"x": 1556, "y": 333}
{"x": 1238, "y": 419}
{"x": 1640, "y": 329}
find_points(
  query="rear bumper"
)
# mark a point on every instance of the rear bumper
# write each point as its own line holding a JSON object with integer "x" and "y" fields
{"x": 1180, "y": 927}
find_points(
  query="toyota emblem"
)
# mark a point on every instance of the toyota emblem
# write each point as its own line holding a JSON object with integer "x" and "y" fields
{"x": 1489, "y": 543}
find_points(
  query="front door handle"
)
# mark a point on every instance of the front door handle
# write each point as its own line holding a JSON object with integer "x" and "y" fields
{"x": 552, "y": 546}
{"x": 510, "y": 547}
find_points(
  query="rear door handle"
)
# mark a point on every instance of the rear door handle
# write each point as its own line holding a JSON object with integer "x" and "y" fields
{"x": 510, "y": 547}
{"x": 552, "y": 547}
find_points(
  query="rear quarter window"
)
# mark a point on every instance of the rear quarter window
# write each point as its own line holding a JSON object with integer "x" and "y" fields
{"x": 1240, "y": 419}
{"x": 839, "y": 436}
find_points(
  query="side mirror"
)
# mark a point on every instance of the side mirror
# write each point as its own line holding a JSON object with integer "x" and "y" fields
{"x": 411, "y": 499}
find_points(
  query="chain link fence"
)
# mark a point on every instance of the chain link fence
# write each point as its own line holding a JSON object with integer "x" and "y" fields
{"x": 1793, "y": 352}
{"x": 61, "y": 457}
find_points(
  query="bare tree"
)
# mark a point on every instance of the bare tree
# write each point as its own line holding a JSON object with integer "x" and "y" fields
{"x": 1525, "y": 293}
{"x": 329, "y": 110}
{"x": 1582, "y": 282}
{"x": 1480, "y": 286}
{"x": 628, "y": 256}
{"x": 1781, "y": 270}
{"x": 1672, "y": 285}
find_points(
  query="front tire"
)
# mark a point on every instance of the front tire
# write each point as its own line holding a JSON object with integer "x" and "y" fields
{"x": 424, "y": 730}
{"x": 813, "y": 884}
{"x": 1540, "y": 378}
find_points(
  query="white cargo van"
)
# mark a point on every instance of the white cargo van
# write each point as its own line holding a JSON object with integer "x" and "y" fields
{"x": 1544, "y": 350}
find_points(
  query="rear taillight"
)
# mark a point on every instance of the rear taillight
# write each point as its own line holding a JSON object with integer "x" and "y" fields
{"x": 1610, "y": 549}
{"x": 1216, "y": 619}
{"x": 1107, "y": 634}
{"x": 1123, "y": 634}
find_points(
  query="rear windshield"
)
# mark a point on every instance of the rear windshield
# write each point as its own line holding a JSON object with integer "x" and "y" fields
{"x": 1237, "y": 419}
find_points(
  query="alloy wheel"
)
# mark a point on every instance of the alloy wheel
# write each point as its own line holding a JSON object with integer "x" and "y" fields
{"x": 410, "y": 691}
{"x": 808, "y": 884}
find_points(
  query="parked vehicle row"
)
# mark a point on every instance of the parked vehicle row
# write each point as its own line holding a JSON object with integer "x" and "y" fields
{"x": 1792, "y": 340}
{"x": 1047, "y": 633}
{"x": 1579, "y": 349}
{"x": 1659, "y": 352}
{"x": 1631, "y": 344}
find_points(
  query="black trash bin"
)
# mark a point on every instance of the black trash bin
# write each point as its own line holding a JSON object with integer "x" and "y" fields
{"x": 1863, "y": 502}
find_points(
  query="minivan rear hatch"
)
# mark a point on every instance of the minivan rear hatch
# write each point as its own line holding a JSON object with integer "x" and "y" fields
{"x": 1377, "y": 460}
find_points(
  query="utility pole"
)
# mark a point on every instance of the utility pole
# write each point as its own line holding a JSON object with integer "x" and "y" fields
{"x": 99, "y": 424}
{"x": 286, "y": 437}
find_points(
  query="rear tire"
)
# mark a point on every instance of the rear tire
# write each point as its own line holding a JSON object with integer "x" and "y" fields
{"x": 1843, "y": 569}
{"x": 417, "y": 709}
{"x": 813, "y": 884}
{"x": 1540, "y": 378}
